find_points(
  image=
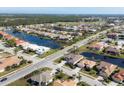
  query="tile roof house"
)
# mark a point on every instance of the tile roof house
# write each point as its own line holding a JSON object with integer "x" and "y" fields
{"x": 8, "y": 37}
{"x": 73, "y": 58}
{"x": 2, "y": 33}
{"x": 112, "y": 35}
{"x": 119, "y": 77}
{"x": 9, "y": 61}
{"x": 98, "y": 46}
{"x": 64, "y": 83}
{"x": 43, "y": 78}
{"x": 86, "y": 64}
{"x": 105, "y": 69}
{"x": 112, "y": 50}
{"x": 19, "y": 42}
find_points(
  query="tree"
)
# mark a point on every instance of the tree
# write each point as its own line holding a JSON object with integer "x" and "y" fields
{"x": 10, "y": 43}
{"x": 1, "y": 36}
{"x": 23, "y": 61}
{"x": 79, "y": 77}
{"x": 8, "y": 68}
{"x": 14, "y": 66}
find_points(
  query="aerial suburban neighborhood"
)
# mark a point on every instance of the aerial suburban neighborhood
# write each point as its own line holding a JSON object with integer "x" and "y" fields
{"x": 66, "y": 50}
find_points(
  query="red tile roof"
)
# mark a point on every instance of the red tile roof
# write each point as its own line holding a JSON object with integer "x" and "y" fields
{"x": 119, "y": 75}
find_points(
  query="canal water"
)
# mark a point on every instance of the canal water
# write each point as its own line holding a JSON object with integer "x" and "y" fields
{"x": 117, "y": 61}
{"x": 34, "y": 39}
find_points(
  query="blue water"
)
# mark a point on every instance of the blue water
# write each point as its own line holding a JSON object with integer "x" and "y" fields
{"x": 117, "y": 61}
{"x": 34, "y": 39}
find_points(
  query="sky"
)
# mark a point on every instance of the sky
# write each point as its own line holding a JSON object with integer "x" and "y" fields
{"x": 62, "y": 10}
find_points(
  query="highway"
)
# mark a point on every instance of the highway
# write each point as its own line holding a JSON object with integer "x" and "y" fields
{"x": 46, "y": 61}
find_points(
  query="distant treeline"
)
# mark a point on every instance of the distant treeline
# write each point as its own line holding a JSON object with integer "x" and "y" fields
{"x": 35, "y": 19}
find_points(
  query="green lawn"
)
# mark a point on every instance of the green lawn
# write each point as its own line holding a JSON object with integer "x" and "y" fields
{"x": 13, "y": 69}
{"x": 59, "y": 60}
{"x": 82, "y": 49}
{"x": 18, "y": 49}
{"x": 61, "y": 76}
{"x": 48, "y": 53}
{"x": 20, "y": 82}
{"x": 91, "y": 72}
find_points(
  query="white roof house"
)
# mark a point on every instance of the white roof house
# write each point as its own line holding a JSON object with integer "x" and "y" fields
{"x": 38, "y": 49}
{"x": 120, "y": 43}
{"x": 42, "y": 49}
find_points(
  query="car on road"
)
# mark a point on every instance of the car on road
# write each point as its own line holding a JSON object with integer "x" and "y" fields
{"x": 3, "y": 79}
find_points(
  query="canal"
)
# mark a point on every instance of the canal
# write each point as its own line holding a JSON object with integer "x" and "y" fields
{"x": 34, "y": 39}
{"x": 117, "y": 61}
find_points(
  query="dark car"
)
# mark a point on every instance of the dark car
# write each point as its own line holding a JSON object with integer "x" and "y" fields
{"x": 4, "y": 79}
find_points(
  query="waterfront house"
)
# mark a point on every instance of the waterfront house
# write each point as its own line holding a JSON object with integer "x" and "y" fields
{"x": 73, "y": 58}
{"x": 2, "y": 33}
{"x": 119, "y": 77}
{"x": 42, "y": 49}
{"x": 98, "y": 46}
{"x": 85, "y": 63}
{"x": 112, "y": 35}
{"x": 105, "y": 69}
{"x": 64, "y": 83}
{"x": 19, "y": 42}
{"x": 120, "y": 43}
{"x": 43, "y": 78}
{"x": 112, "y": 50}
{"x": 38, "y": 49}
{"x": 9, "y": 61}
{"x": 8, "y": 37}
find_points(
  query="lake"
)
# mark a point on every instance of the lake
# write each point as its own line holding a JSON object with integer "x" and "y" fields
{"x": 34, "y": 39}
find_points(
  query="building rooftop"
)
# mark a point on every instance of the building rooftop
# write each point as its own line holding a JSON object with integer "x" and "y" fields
{"x": 43, "y": 77}
{"x": 85, "y": 62}
{"x": 119, "y": 76}
{"x": 73, "y": 58}
{"x": 108, "y": 68}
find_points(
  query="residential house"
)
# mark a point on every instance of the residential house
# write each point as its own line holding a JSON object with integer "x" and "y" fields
{"x": 85, "y": 63}
{"x": 9, "y": 61}
{"x": 42, "y": 49}
{"x": 73, "y": 58}
{"x": 64, "y": 83}
{"x": 19, "y": 42}
{"x": 2, "y": 33}
{"x": 120, "y": 43}
{"x": 112, "y": 50}
{"x": 119, "y": 77}
{"x": 8, "y": 37}
{"x": 65, "y": 37}
{"x": 92, "y": 30}
{"x": 105, "y": 69}
{"x": 98, "y": 46}
{"x": 120, "y": 36}
{"x": 43, "y": 78}
{"x": 112, "y": 35}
